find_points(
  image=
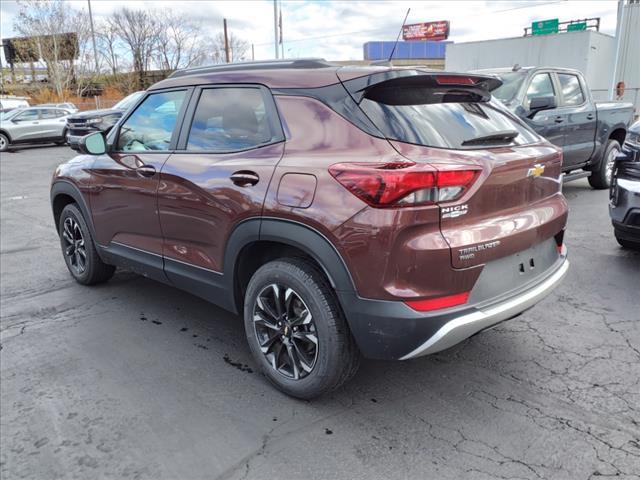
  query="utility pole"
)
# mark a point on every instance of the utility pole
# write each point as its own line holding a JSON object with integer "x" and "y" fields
{"x": 93, "y": 37}
{"x": 275, "y": 26}
{"x": 614, "y": 79}
{"x": 226, "y": 42}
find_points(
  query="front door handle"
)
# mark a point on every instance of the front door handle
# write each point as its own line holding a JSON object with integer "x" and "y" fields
{"x": 559, "y": 119}
{"x": 146, "y": 170}
{"x": 591, "y": 116}
{"x": 244, "y": 178}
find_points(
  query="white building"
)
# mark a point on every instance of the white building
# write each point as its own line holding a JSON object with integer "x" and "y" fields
{"x": 588, "y": 51}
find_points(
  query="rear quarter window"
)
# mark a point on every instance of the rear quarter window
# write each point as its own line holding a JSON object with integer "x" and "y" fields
{"x": 442, "y": 118}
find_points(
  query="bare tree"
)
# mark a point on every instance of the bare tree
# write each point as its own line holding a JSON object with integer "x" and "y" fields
{"x": 237, "y": 48}
{"x": 108, "y": 45}
{"x": 58, "y": 36}
{"x": 140, "y": 31}
{"x": 180, "y": 43}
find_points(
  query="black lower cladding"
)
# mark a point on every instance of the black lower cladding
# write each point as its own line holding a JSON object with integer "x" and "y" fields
{"x": 387, "y": 330}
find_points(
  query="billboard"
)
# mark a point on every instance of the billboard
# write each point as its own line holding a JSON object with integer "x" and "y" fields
{"x": 426, "y": 31}
{"x": 28, "y": 49}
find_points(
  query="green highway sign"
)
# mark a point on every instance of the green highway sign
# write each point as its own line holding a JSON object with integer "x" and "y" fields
{"x": 544, "y": 27}
{"x": 574, "y": 27}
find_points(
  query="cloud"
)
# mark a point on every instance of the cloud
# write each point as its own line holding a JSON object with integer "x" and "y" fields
{"x": 336, "y": 30}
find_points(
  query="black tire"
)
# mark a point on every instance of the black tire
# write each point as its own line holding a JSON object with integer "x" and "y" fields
{"x": 600, "y": 177}
{"x": 63, "y": 141}
{"x": 4, "y": 142}
{"x": 337, "y": 357}
{"x": 628, "y": 244}
{"x": 95, "y": 270}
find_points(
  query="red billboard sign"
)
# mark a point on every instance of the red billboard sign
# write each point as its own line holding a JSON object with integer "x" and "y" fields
{"x": 426, "y": 31}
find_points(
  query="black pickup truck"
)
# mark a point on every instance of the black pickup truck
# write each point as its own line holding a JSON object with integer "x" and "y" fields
{"x": 557, "y": 103}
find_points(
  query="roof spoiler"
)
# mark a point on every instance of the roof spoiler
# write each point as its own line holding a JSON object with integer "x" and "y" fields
{"x": 359, "y": 86}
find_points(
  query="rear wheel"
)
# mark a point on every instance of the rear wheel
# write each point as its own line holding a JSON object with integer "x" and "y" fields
{"x": 63, "y": 141}
{"x": 296, "y": 330}
{"x": 4, "y": 142}
{"x": 78, "y": 249}
{"x": 601, "y": 178}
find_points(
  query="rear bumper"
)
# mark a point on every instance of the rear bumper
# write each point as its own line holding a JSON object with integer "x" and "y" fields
{"x": 393, "y": 331}
{"x": 458, "y": 329}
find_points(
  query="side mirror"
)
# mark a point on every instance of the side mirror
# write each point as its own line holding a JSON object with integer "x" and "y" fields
{"x": 93, "y": 144}
{"x": 539, "y": 104}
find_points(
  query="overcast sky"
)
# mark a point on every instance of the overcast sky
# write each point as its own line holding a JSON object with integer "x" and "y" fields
{"x": 336, "y": 30}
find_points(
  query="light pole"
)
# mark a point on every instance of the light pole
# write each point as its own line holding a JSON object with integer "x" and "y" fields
{"x": 275, "y": 26}
{"x": 93, "y": 36}
{"x": 612, "y": 88}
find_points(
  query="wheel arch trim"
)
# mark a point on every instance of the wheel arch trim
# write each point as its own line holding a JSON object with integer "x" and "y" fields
{"x": 64, "y": 187}
{"x": 292, "y": 233}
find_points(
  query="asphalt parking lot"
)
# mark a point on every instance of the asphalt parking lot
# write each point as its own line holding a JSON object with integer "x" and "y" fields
{"x": 133, "y": 379}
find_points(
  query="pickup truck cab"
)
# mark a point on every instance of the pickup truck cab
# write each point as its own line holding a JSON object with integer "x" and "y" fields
{"x": 557, "y": 104}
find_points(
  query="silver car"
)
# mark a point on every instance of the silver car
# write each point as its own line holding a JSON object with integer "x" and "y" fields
{"x": 33, "y": 125}
{"x": 71, "y": 107}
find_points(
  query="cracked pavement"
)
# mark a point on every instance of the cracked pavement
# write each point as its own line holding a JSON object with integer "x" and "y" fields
{"x": 136, "y": 380}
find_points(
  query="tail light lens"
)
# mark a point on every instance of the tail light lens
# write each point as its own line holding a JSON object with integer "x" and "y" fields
{"x": 398, "y": 184}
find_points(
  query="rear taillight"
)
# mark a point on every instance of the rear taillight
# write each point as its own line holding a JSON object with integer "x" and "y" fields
{"x": 399, "y": 184}
{"x": 438, "y": 303}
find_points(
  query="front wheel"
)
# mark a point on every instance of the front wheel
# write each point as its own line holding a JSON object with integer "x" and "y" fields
{"x": 4, "y": 142}
{"x": 296, "y": 330}
{"x": 600, "y": 177}
{"x": 79, "y": 251}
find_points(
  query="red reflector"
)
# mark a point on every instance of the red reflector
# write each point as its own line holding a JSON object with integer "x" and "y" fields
{"x": 454, "y": 80}
{"x": 438, "y": 303}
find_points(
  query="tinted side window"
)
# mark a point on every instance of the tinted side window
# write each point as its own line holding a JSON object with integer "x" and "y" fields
{"x": 151, "y": 126}
{"x": 571, "y": 91}
{"x": 230, "y": 119}
{"x": 27, "y": 116}
{"x": 49, "y": 113}
{"x": 540, "y": 86}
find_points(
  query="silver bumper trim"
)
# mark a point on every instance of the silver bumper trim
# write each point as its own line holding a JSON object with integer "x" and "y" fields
{"x": 463, "y": 327}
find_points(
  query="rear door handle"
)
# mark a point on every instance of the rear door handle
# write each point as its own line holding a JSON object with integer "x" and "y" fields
{"x": 559, "y": 119}
{"x": 146, "y": 170}
{"x": 244, "y": 178}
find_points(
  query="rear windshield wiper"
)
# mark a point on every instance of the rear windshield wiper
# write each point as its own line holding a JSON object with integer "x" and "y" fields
{"x": 505, "y": 136}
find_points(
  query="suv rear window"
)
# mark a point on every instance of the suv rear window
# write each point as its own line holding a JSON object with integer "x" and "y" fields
{"x": 442, "y": 117}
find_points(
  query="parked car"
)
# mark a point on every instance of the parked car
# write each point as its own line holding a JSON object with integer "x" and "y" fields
{"x": 9, "y": 103}
{"x": 342, "y": 211}
{"x": 624, "y": 196}
{"x": 102, "y": 120}
{"x": 32, "y": 125}
{"x": 70, "y": 107}
{"x": 557, "y": 103}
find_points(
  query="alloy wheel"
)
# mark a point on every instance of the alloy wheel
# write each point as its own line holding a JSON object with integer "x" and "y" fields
{"x": 74, "y": 247}
{"x": 611, "y": 160}
{"x": 286, "y": 331}
{"x": 3, "y": 142}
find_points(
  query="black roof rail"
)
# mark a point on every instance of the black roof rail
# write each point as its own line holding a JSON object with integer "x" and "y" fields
{"x": 260, "y": 65}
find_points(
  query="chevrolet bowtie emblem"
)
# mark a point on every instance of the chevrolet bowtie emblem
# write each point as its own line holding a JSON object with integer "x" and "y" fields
{"x": 535, "y": 171}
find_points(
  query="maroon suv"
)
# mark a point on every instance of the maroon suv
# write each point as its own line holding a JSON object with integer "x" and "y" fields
{"x": 388, "y": 212}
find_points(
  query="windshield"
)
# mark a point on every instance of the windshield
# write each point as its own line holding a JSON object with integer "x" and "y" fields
{"x": 128, "y": 101}
{"x": 511, "y": 82}
{"x": 444, "y": 118}
{"x": 9, "y": 114}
